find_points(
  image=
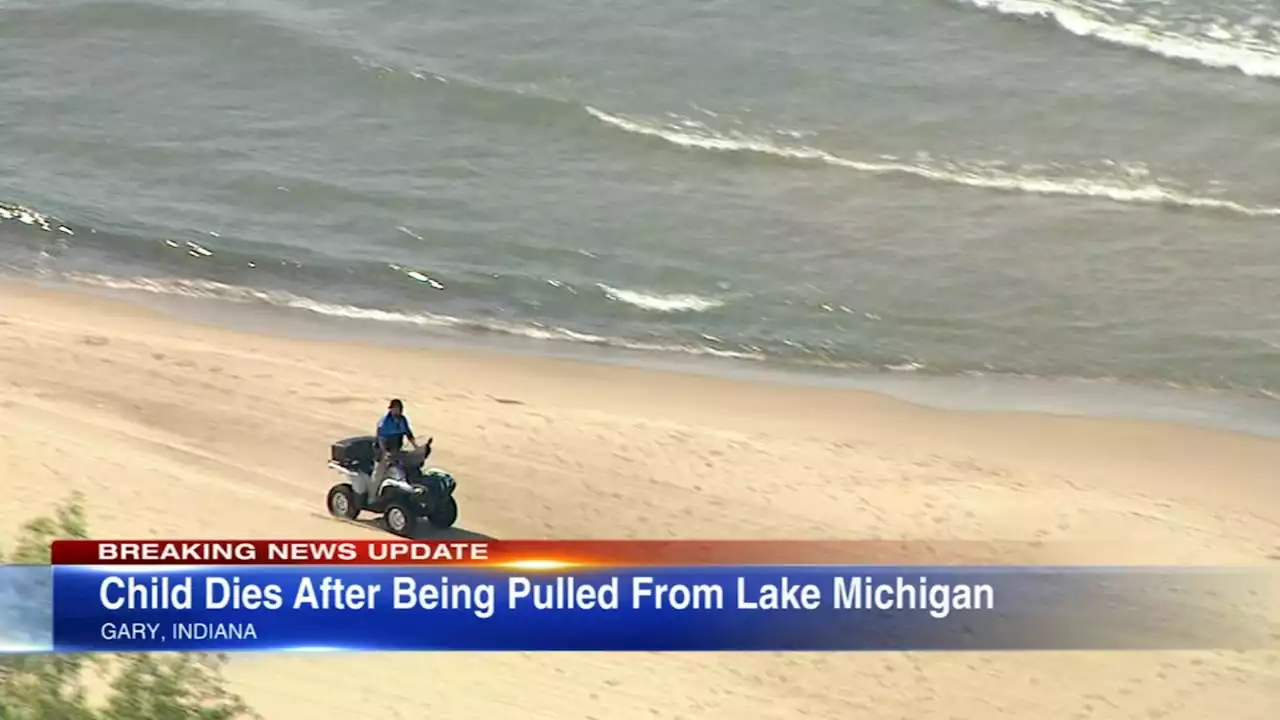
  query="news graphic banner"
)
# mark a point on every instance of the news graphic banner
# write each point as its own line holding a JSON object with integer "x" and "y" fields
{"x": 123, "y": 596}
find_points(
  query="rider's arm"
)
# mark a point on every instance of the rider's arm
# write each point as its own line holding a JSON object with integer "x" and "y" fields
{"x": 408, "y": 433}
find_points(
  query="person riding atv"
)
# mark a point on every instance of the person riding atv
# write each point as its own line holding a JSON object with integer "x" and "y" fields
{"x": 409, "y": 492}
{"x": 393, "y": 430}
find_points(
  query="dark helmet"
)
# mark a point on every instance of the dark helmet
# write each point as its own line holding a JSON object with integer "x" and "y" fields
{"x": 395, "y": 405}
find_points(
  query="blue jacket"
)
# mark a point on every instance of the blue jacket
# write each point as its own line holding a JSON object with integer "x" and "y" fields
{"x": 393, "y": 430}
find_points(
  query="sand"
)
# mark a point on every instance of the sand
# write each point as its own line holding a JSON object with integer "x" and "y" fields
{"x": 177, "y": 429}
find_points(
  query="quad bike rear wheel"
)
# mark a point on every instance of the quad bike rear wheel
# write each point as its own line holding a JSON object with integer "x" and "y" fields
{"x": 342, "y": 502}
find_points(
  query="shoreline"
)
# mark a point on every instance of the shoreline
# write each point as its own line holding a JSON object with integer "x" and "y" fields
{"x": 1169, "y": 453}
{"x": 1086, "y": 398}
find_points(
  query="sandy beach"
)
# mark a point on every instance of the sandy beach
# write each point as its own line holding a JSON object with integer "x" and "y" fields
{"x": 178, "y": 429}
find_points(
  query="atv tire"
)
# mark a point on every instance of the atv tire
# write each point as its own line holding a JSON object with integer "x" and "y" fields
{"x": 400, "y": 520}
{"x": 444, "y": 516}
{"x": 342, "y": 502}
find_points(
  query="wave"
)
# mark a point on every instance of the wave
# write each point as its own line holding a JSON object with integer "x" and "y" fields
{"x": 983, "y": 178}
{"x": 661, "y": 303}
{"x": 213, "y": 290}
{"x": 1150, "y": 34}
{"x": 27, "y": 216}
{"x": 217, "y": 291}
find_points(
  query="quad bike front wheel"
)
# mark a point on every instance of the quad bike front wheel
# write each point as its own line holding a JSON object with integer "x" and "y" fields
{"x": 400, "y": 520}
{"x": 342, "y": 502}
{"x": 445, "y": 515}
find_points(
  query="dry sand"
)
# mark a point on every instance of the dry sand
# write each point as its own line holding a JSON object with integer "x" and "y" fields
{"x": 177, "y": 429}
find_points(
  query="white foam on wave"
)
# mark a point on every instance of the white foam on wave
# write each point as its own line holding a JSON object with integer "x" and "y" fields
{"x": 983, "y": 178}
{"x": 212, "y": 290}
{"x": 28, "y": 216}
{"x": 661, "y": 303}
{"x": 1220, "y": 47}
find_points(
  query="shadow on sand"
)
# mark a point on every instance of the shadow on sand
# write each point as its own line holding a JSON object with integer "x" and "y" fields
{"x": 424, "y": 531}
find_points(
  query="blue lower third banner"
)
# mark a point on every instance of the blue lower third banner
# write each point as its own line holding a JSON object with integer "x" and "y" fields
{"x": 124, "y": 609}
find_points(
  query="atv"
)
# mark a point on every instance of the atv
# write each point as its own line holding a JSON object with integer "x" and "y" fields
{"x": 404, "y": 498}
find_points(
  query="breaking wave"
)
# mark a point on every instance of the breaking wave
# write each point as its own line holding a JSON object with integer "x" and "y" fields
{"x": 661, "y": 303}
{"x": 983, "y": 178}
{"x": 213, "y": 290}
{"x": 1220, "y": 45}
{"x": 34, "y": 218}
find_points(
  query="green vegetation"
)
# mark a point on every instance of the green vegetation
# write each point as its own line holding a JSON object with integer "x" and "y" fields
{"x": 178, "y": 686}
